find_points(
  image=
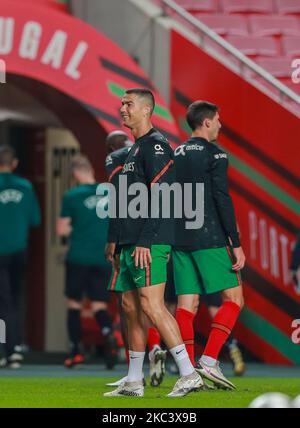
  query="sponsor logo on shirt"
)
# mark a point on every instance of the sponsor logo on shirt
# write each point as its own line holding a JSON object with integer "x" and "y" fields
{"x": 194, "y": 147}
{"x": 158, "y": 149}
{"x": 128, "y": 167}
{"x": 221, "y": 156}
{"x": 11, "y": 195}
{"x": 182, "y": 149}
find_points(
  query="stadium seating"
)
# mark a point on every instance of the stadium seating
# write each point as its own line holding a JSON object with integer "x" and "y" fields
{"x": 256, "y": 46}
{"x": 278, "y": 67}
{"x": 288, "y": 6}
{"x": 291, "y": 46}
{"x": 247, "y": 6}
{"x": 266, "y": 30}
{"x": 273, "y": 25}
{"x": 234, "y": 25}
{"x": 207, "y": 6}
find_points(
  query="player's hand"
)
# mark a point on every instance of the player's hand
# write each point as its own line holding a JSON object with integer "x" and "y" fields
{"x": 142, "y": 257}
{"x": 116, "y": 263}
{"x": 110, "y": 251}
{"x": 240, "y": 258}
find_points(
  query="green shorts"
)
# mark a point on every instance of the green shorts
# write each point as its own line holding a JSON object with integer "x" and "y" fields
{"x": 204, "y": 271}
{"x": 131, "y": 278}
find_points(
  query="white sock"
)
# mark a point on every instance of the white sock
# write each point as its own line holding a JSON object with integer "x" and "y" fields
{"x": 182, "y": 360}
{"x": 208, "y": 361}
{"x": 152, "y": 353}
{"x": 135, "y": 371}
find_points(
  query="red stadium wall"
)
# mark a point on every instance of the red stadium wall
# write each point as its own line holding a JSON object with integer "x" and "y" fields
{"x": 262, "y": 139}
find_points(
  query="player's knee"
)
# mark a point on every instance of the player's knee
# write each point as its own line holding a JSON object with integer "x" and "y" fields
{"x": 237, "y": 299}
{"x": 241, "y": 302}
{"x": 196, "y": 304}
{"x": 152, "y": 309}
{"x": 189, "y": 303}
{"x": 98, "y": 306}
{"x": 127, "y": 306}
{"x": 73, "y": 304}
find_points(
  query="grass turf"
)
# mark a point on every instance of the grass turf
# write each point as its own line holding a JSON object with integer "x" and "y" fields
{"x": 87, "y": 392}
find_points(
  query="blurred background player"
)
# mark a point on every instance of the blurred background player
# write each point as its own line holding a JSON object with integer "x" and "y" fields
{"x": 207, "y": 259}
{"x": 118, "y": 146}
{"x": 295, "y": 264}
{"x": 19, "y": 211}
{"x": 87, "y": 272}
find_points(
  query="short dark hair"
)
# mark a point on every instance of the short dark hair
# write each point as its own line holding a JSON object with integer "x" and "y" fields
{"x": 7, "y": 155}
{"x": 198, "y": 112}
{"x": 116, "y": 140}
{"x": 80, "y": 162}
{"x": 143, "y": 93}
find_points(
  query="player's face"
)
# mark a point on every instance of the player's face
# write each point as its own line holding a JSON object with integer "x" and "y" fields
{"x": 215, "y": 126}
{"x": 132, "y": 110}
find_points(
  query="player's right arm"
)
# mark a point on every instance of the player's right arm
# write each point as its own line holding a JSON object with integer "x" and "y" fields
{"x": 109, "y": 251}
{"x": 113, "y": 169}
{"x": 64, "y": 222}
{"x": 63, "y": 227}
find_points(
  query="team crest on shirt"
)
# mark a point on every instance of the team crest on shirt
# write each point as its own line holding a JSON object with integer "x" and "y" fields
{"x": 221, "y": 156}
{"x": 11, "y": 195}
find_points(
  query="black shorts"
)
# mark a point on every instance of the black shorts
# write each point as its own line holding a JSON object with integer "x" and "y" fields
{"x": 213, "y": 299}
{"x": 87, "y": 281}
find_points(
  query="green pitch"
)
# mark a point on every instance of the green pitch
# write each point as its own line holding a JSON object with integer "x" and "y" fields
{"x": 74, "y": 391}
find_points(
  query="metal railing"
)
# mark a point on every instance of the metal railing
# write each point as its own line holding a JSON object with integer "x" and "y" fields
{"x": 245, "y": 64}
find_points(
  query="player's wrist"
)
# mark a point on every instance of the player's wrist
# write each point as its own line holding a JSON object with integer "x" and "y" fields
{"x": 144, "y": 243}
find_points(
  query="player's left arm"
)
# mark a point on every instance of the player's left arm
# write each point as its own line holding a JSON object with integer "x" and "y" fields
{"x": 220, "y": 190}
{"x": 63, "y": 226}
{"x": 157, "y": 163}
{"x": 64, "y": 222}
